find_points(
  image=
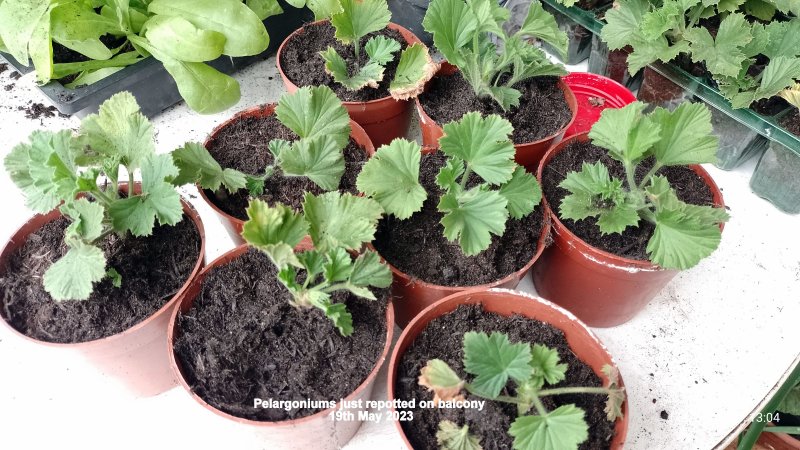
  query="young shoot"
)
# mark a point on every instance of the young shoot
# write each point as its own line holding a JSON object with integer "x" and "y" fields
{"x": 337, "y": 223}
{"x": 472, "y": 213}
{"x": 357, "y": 19}
{"x": 684, "y": 233}
{"x": 316, "y": 115}
{"x": 493, "y": 361}
{"x": 57, "y": 168}
{"x": 462, "y": 32}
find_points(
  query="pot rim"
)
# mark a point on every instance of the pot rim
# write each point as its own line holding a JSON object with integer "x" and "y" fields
{"x": 619, "y": 261}
{"x": 176, "y": 369}
{"x": 188, "y": 209}
{"x": 410, "y": 38}
{"x": 523, "y": 296}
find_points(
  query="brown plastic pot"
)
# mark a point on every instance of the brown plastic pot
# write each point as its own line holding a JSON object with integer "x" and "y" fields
{"x": 318, "y": 431}
{"x": 583, "y": 342}
{"x": 602, "y": 289}
{"x": 383, "y": 119}
{"x": 135, "y": 356}
{"x": 233, "y": 225}
{"x": 528, "y": 154}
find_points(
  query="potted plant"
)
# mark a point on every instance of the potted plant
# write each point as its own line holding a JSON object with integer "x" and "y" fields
{"x": 456, "y": 362}
{"x": 93, "y": 272}
{"x": 304, "y": 143}
{"x": 778, "y": 424}
{"x": 373, "y": 65}
{"x": 462, "y": 217}
{"x": 517, "y": 82}
{"x": 80, "y": 43}
{"x": 630, "y": 208}
{"x": 313, "y": 316}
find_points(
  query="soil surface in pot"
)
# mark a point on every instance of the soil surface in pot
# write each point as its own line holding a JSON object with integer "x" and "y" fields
{"x": 303, "y": 65}
{"x": 443, "y": 339}
{"x": 542, "y": 109}
{"x": 243, "y": 340}
{"x": 792, "y": 122}
{"x": 417, "y": 245}
{"x": 153, "y": 269}
{"x": 632, "y": 243}
{"x": 244, "y": 145}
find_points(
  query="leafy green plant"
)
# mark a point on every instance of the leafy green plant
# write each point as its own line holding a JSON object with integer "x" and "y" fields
{"x": 684, "y": 234}
{"x": 182, "y": 34}
{"x": 473, "y": 145}
{"x": 357, "y": 19}
{"x": 462, "y": 32}
{"x": 58, "y": 168}
{"x": 493, "y": 360}
{"x": 337, "y": 223}
{"x": 320, "y": 120}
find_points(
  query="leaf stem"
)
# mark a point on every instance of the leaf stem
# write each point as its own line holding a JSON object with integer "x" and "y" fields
{"x": 656, "y": 167}
{"x": 334, "y": 287}
{"x": 357, "y": 47}
{"x": 789, "y": 430}
{"x": 465, "y": 177}
{"x": 629, "y": 176}
{"x": 572, "y": 390}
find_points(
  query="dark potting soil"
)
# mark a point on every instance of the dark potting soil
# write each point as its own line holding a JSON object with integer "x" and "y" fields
{"x": 542, "y": 110}
{"x": 242, "y": 340}
{"x": 38, "y": 111}
{"x": 632, "y": 243}
{"x": 244, "y": 146}
{"x": 15, "y": 75}
{"x": 792, "y": 122}
{"x": 153, "y": 269}
{"x": 303, "y": 65}
{"x": 417, "y": 245}
{"x": 443, "y": 339}
{"x": 3, "y": 67}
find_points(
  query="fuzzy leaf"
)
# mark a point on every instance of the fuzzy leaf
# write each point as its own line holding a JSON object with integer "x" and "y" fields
{"x": 337, "y": 312}
{"x": 544, "y": 361}
{"x": 483, "y": 143}
{"x": 452, "y": 25}
{"x": 380, "y": 51}
{"x": 319, "y": 159}
{"x": 680, "y": 242}
{"x": 723, "y": 55}
{"x": 451, "y": 437}
{"x": 195, "y": 164}
{"x": 542, "y": 25}
{"x": 269, "y": 226}
{"x": 120, "y": 132}
{"x": 313, "y": 261}
{"x": 784, "y": 39}
{"x": 358, "y": 18}
{"x": 338, "y": 265}
{"x": 493, "y": 359}
{"x": 626, "y": 133}
{"x": 87, "y": 219}
{"x": 448, "y": 176}
{"x": 72, "y": 277}
{"x": 622, "y": 23}
{"x": 779, "y": 74}
{"x": 489, "y": 16}
{"x": 522, "y": 192}
{"x": 391, "y": 177}
{"x": 369, "y": 271}
{"x": 341, "y": 220}
{"x": 646, "y": 52}
{"x": 416, "y": 67}
{"x": 471, "y": 217}
{"x": 686, "y": 135}
{"x": 439, "y": 378}
{"x": 315, "y": 111}
{"x": 561, "y": 429}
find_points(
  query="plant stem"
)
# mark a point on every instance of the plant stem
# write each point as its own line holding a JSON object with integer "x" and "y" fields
{"x": 629, "y": 176}
{"x": 465, "y": 177}
{"x": 650, "y": 174}
{"x": 572, "y": 390}
{"x": 334, "y": 287}
{"x": 788, "y": 430}
{"x": 748, "y": 440}
{"x": 537, "y": 403}
{"x": 357, "y": 47}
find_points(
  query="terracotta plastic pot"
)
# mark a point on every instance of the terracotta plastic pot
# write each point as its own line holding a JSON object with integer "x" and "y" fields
{"x": 584, "y": 344}
{"x": 383, "y": 119}
{"x": 602, "y": 289}
{"x": 233, "y": 225}
{"x": 594, "y": 93}
{"x": 318, "y": 431}
{"x": 135, "y": 356}
{"x": 528, "y": 154}
{"x": 780, "y": 441}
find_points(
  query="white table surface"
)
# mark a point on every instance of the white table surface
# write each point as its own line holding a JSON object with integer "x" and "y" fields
{"x": 707, "y": 350}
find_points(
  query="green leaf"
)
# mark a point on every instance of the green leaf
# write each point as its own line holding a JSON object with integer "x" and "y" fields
{"x": 195, "y": 164}
{"x": 416, "y": 67}
{"x": 61, "y": 70}
{"x": 779, "y": 74}
{"x": 337, "y": 312}
{"x": 484, "y": 143}
{"x": 686, "y": 135}
{"x": 439, "y": 378}
{"x": 645, "y": 52}
{"x": 78, "y": 27}
{"x": 114, "y": 276}
{"x": 87, "y": 219}
{"x": 724, "y": 54}
{"x": 322, "y": 9}
{"x": 315, "y": 111}
{"x": 341, "y": 220}
{"x": 338, "y": 265}
{"x": 380, "y": 51}
{"x": 391, "y": 177}
{"x": 471, "y": 217}
{"x": 680, "y": 241}
{"x": 452, "y": 26}
{"x": 264, "y": 8}
{"x": 359, "y": 18}
{"x": 791, "y": 403}
{"x": 313, "y": 261}
{"x": 542, "y": 25}
{"x": 268, "y": 226}
{"x": 19, "y": 20}
{"x": 488, "y": 16}
{"x": 72, "y": 277}
{"x": 179, "y": 39}
{"x": 451, "y": 437}
{"x": 244, "y": 32}
{"x": 544, "y": 361}
{"x": 522, "y": 192}
{"x": 760, "y": 9}
{"x": 493, "y": 359}
{"x": 784, "y": 39}
{"x": 319, "y": 159}
{"x": 622, "y": 23}
{"x": 369, "y": 271}
{"x": 626, "y": 133}
{"x": 449, "y": 175}
{"x": 657, "y": 22}
{"x": 594, "y": 193}
{"x": 561, "y": 429}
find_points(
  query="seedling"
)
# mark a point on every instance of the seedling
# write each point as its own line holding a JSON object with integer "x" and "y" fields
{"x": 57, "y": 168}
{"x": 357, "y": 19}
{"x": 320, "y": 120}
{"x": 473, "y": 144}
{"x": 462, "y": 33}
{"x": 684, "y": 234}
{"x": 493, "y": 360}
{"x": 337, "y": 223}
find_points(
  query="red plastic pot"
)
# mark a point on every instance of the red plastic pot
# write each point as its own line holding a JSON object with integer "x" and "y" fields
{"x": 318, "y": 431}
{"x": 528, "y": 154}
{"x": 383, "y": 119}
{"x": 588, "y": 88}
{"x": 584, "y": 344}
{"x": 602, "y": 289}
{"x": 233, "y": 225}
{"x": 135, "y": 356}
